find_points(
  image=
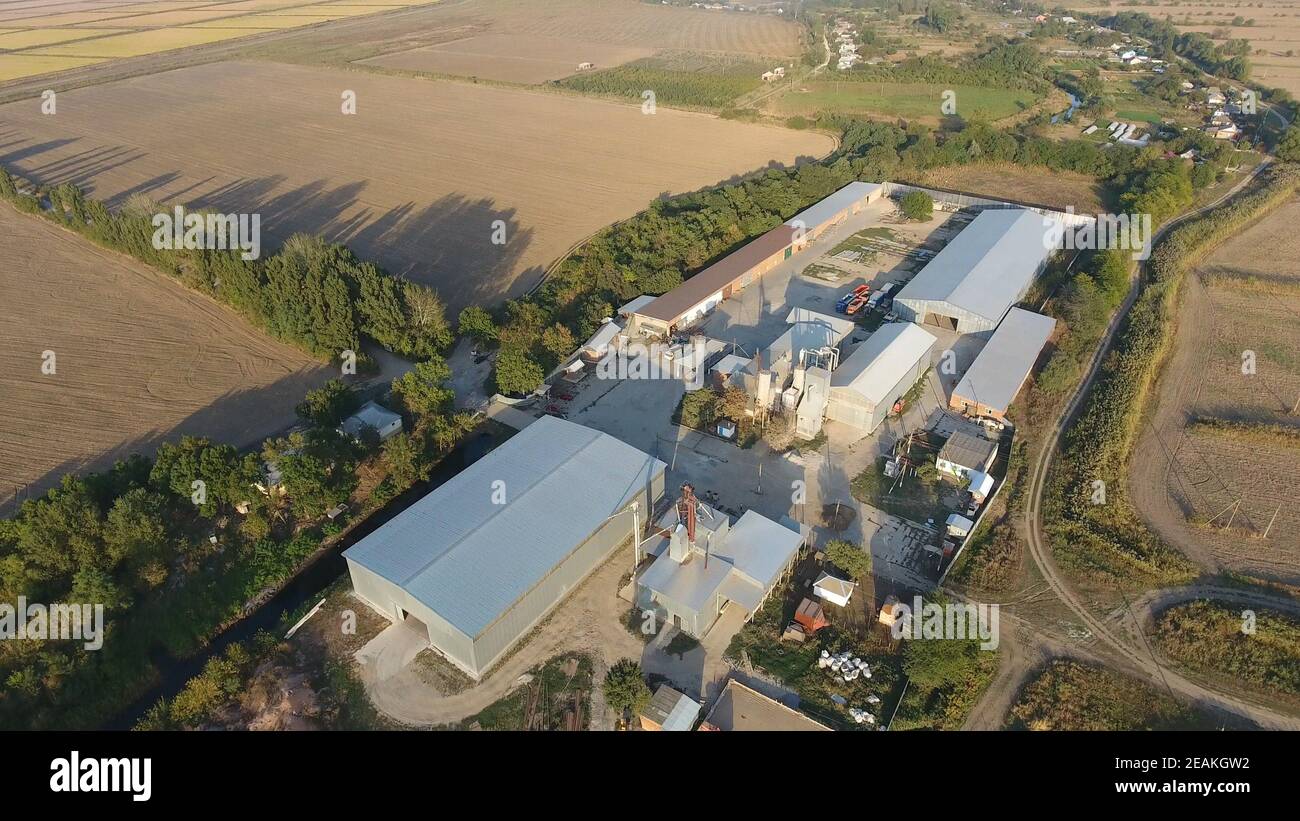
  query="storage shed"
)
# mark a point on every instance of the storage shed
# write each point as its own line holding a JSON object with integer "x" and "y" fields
{"x": 994, "y": 379}
{"x": 481, "y": 560}
{"x": 988, "y": 267}
{"x": 372, "y": 416}
{"x": 877, "y": 374}
{"x": 966, "y": 453}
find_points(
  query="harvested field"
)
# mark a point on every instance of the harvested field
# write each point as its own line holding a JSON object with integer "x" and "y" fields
{"x": 1214, "y": 490}
{"x": 611, "y": 23}
{"x": 13, "y": 66}
{"x": 512, "y": 58}
{"x": 139, "y": 359}
{"x": 1057, "y": 189}
{"x": 60, "y": 30}
{"x": 416, "y": 180}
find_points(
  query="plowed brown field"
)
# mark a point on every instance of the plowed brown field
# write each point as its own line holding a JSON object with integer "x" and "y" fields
{"x": 1182, "y": 478}
{"x": 138, "y": 359}
{"x": 417, "y": 179}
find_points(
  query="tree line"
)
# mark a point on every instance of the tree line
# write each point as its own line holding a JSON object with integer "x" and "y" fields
{"x": 312, "y": 294}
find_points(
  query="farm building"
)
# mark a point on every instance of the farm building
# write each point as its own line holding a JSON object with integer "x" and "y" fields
{"x": 372, "y": 416}
{"x": 997, "y": 374}
{"x": 879, "y": 373}
{"x": 728, "y": 368}
{"x": 670, "y": 711}
{"x": 702, "y": 292}
{"x": 833, "y": 589}
{"x": 969, "y": 285}
{"x": 849, "y": 200}
{"x": 966, "y": 453}
{"x": 741, "y": 708}
{"x": 707, "y": 565}
{"x": 478, "y": 562}
{"x": 699, "y": 295}
{"x": 635, "y": 305}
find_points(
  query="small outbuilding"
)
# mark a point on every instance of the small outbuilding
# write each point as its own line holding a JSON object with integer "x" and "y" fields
{"x": 833, "y": 589}
{"x": 372, "y": 416}
{"x": 670, "y": 711}
{"x": 966, "y": 453}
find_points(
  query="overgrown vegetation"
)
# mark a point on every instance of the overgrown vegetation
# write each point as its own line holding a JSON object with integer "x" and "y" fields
{"x": 1212, "y": 637}
{"x": 678, "y": 79}
{"x": 1094, "y": 529}
{"x": 1069, "y": 695}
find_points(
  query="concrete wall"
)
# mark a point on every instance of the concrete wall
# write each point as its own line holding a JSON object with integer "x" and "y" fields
{"x": 517, "y": 621}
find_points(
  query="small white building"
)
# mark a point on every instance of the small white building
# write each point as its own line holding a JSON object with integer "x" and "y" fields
{"x": 966, "y": 453}
{"x": 833, "y": 589}
{"x": 372, "y": 416}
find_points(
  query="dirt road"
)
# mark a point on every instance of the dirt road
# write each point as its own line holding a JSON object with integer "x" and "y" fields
{"x": 1122, "y": 646}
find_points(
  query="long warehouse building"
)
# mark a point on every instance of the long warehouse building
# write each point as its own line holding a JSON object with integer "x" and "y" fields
{"x": 705, "y": 290}
{"x": 994, "y": 379}
{"x": 971, "y": 284}
{"x": 481, "y": 560}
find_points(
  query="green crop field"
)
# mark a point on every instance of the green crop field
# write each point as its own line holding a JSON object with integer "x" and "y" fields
{"x": 908, "y": 100}
{"x": 676, "y": 78}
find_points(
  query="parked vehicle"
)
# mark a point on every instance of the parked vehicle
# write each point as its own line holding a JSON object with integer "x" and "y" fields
{"x": 845, "y": 301}
{"x": 857, "y": 304}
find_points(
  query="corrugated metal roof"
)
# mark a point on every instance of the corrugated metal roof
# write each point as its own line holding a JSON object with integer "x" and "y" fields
{"x": 469, "y": 559}
{"x": 602, "y": 337}
{"x": 813, "y": 216}
{"x": 879, "y": 363}
{"x": 636, "y": 304}
{"x": 969, "y": 450}
{"x": 995, "y": 377}
{"x": 699, "y": 287}
{"x": 671, "y": 710}
{"x": 987, "y": 267}
{"x": 372, "y": 415}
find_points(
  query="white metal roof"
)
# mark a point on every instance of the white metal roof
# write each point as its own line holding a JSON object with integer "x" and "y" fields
{"x": 987, "y": 267}
{"x": 741, "y": 568}
{"x": 815, "y": 215}
{"x": 636, "y": 305}
{"x": 602, "y": 337}
{"x": 996, "y": 375}
{"x": 879, "y": 363}
{"x": 731, "y": 363}
{"x": 371, "y": 415}
{"x": 469, "y": 559}
{"x": 839, "y": 325}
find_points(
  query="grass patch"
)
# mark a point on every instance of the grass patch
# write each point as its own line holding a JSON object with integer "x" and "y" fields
{"x": 906, "y": 100}
{"x": 681, "y": 79}
{"x": 560, "y": 687}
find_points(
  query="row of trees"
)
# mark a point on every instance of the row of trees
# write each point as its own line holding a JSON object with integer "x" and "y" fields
{"x": 313, "y": 294}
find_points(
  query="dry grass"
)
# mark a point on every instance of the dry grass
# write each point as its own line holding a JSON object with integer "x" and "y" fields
{"x": 1057, "y": 189}
{"x": 414, "y": 181}
{"x": 513, "y": 58}
{"x": 138, "y": 359}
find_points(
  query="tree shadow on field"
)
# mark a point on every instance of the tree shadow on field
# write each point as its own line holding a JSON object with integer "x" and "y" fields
{"x": 242, "y": 418}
